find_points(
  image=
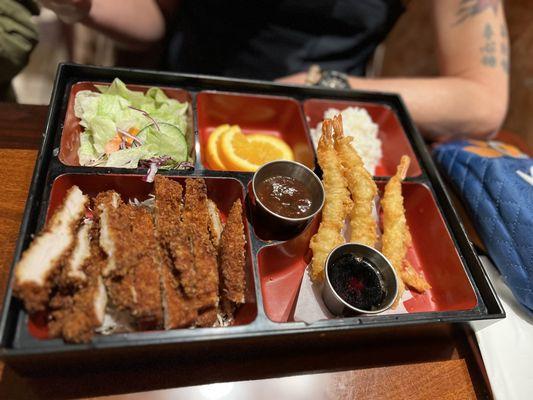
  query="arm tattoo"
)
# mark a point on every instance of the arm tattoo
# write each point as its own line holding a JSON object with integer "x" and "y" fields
{"x": 489, "y": 51}
{"x": 470, "y": 8}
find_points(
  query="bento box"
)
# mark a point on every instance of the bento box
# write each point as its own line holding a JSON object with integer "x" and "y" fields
{"x": 274, "y": 269}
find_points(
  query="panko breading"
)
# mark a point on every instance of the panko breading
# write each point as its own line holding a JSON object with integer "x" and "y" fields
{"x": 196, "y": 224}
{"x": 362, "y": 188}
{"x": 232, "y": 256}
{"x": 176, "y": 255}
{"x": 135, "y": 266}
{"x": 396, "y": 237}
{"x": 133, "y": 281}
{"x": 145, "y": 267}
{"x": 40, "y": 263}
{"x": 172, "y": 231}
{"x": 178, "y": 310}
{"x": 336, "y": 206}
{"x": 76, "y": 315}
{"x": 207, "y": 318}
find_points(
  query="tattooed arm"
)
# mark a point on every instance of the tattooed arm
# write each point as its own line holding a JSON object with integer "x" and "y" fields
{"x": 470, "y": 96}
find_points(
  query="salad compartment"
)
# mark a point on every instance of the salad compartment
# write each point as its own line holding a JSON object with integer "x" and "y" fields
{"x": 70, "y": 135}
{"x": 394, "y": 140}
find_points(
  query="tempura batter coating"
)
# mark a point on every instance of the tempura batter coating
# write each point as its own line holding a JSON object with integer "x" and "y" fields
{"x": 232, "y": 256}
{"x": 396, "y": 237}
{"x": 361, "y": 185}
{"x": 336, "y": 206}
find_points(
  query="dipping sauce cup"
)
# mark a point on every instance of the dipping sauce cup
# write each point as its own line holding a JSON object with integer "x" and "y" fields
{"x": 286, "y": 196}
{"x": 358, "y": 280}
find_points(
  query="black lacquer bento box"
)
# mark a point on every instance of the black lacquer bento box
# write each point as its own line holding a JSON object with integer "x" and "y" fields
{"x": 460, "y": 290}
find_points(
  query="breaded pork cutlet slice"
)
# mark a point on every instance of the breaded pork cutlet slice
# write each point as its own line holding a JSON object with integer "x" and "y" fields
{"x": 40, "y": 263}
{"x": 76, "y": 315}
{"x": 127, "y": 236}
{"x": 232, "y": 256}
{"x": 72, "y": 273}
{"x": 171, "y": 231}
{"x": 176, "y": 255}
{"x": 147, "y": 269}
{"x": 196, "y": 224}
{"x": 106, "y": 206}
{"x": 179, "y": 311}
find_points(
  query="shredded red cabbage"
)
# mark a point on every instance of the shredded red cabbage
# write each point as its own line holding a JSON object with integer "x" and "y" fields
{"x": 147, "y": 116}
{"x": 154, "y": 163}
{"x": 123, "y": 132}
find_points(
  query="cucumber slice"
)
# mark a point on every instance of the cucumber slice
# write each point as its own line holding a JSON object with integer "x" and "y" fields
{"x": 169, "y": 140}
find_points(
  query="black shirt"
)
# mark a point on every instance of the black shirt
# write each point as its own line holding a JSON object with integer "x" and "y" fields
{"x": 271, "y": 39}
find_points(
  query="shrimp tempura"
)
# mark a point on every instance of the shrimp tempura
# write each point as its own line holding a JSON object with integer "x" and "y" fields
{"x": 361, "y": 185}
{"x": 396, "y": 237}
{"x": 336, "y": 206}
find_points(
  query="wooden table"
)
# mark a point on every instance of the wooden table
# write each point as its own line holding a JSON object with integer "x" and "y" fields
{"x": 444, "y": 362}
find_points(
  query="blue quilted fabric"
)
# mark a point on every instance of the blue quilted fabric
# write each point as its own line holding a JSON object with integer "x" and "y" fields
{"x": 500, "y": 201}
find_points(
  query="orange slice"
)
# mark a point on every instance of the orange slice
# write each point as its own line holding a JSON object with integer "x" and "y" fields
{"x": 211, "y": 150}
{"x": 247, "y": 153}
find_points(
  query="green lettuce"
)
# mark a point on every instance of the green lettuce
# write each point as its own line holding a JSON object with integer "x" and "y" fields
{"x": 169, "y": 140}
{"x": 116, "y": 107}
{"x": 128, "y": 158}
{"x": 87, "y": 153}
{"x": 102, "y": 130}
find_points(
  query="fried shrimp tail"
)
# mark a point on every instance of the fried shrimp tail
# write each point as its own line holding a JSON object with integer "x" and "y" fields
{"x": 336, "y": 206}
{"x": 396, "y": 236}
{"x": 361, "y": 185}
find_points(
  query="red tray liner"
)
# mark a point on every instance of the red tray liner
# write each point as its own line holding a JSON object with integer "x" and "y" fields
{"x": 277, "y": 116}
{"x": 281, "y": 266}
{"x": 223, "y": 191}
{"x": 70, "y": 136}
{"x": 394, "y": 141}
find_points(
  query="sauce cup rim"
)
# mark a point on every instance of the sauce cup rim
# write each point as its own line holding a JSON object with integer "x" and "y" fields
{"x": 383, "y": 308}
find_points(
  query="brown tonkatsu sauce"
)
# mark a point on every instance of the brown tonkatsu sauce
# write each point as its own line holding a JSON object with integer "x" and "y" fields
{"x": 285, "y": 196}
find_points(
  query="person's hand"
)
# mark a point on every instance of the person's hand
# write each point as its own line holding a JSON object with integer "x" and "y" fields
{"x": 69, "y": 11}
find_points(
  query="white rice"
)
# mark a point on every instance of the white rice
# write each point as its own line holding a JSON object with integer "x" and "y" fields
{"x": 357, "y": 123}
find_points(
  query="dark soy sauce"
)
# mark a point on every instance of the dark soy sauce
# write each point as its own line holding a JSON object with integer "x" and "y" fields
{"x": 357, "y": 282}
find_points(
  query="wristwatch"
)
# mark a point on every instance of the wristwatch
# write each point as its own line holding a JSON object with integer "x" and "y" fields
{"x": 327, "y": 78}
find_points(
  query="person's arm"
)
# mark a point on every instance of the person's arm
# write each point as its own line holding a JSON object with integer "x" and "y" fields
{"x": 470, "y": 97}
{"x": 133, "y": 24}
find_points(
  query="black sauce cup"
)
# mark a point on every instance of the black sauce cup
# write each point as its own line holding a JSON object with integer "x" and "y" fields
{"x": 334, "y": 301}
{"x": 270, "y": 225}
